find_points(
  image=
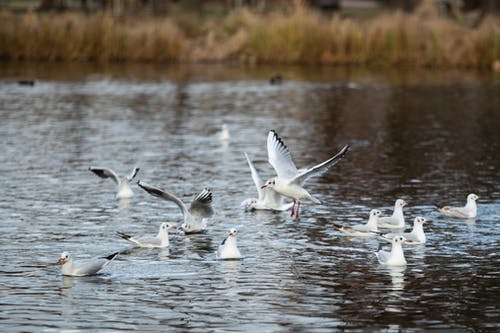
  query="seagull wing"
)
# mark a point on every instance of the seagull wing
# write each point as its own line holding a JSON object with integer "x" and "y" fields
{"x": 454, "y": 211}
{"x": 201, "y": 206}
{"x": 280, "y": 157}
{"x": 383, "y": 256}
{"x": 141, "y": 241}
{"x": 256, "y": 179}
{"x": 321, "y": 168}
{"x": 158, "y": 192}
{"x": 105, "y": 173}
{"x": 94, "y": 266}
{"x": 133, "y": 174}
{"x": 152, "y": 241}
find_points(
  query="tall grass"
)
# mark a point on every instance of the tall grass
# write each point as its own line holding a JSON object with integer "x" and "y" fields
{"x": 299, "y": 36}
{"x": 73, "y": 37}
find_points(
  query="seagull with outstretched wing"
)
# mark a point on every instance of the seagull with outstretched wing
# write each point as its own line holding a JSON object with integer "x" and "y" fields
{"x": 124, "y": 191}
{"x": 194, "y": 215}
{"x": 290, "y": 180}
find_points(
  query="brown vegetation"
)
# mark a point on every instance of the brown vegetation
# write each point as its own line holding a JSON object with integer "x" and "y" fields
{"x": 302, "y": 36}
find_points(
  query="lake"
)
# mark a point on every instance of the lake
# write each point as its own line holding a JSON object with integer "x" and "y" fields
{"x": 429, "y": 137}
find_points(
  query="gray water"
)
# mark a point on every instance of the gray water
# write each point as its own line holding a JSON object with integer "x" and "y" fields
{"x": 426, "y": 137}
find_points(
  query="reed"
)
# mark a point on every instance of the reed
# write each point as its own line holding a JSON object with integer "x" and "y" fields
{"x": 73, "y": 37}
{"x": 298, "y": 36}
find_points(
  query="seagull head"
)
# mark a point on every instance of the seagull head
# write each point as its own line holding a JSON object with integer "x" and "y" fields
{"x": 166, "y": 226}
{"x": 400, "y": 203}
{"x": 65, "y": 257}
{"x": 233, "y": 232}
{"x": 472, "y": 197}
{"x": 375, "y": 213}
{"x": 421, "y": 220}
{"x": 270, "y": 183}
{"x": 249, "y": 204}
{"x": 400, "y": 240}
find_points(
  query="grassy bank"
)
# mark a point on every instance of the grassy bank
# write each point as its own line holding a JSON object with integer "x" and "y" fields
{"x": 300, "y": 36}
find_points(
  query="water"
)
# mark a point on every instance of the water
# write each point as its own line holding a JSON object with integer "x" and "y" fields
{"x": 427, "y": 137}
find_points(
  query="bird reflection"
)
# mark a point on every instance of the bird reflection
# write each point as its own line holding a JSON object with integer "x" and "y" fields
{"x": 164, "y": 253}
{"x": 68, "y": 282}
{"x": 397, "y": 277}
{"x": 229, "y": 268}
{"x": 123, "y": 203}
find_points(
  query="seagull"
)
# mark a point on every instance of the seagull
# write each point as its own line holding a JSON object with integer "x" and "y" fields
{"x": 200, "y": 208}
{"x": 71, "y": 268}
{"x": 124, "y": 190}
{"x": 416, "y": 236}
{"x": 362, "y": 230}
{"x": 228, "y": 249}
{"x": 396, "y": 220}
{"x": 466, "y": 212}
{"x": 268, "y": 199}
{"x": 224, "y": 133}
{"x": 290, "y": 180}
{"x": 160, "y": 240}
{"x": 396, "y": 256}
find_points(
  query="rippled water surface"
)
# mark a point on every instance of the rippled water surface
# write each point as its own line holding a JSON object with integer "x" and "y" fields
{"x": 427, "y": 137}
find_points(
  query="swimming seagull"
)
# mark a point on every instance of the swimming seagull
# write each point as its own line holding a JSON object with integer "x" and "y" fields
{"x": 268, "y": 198}
{"x": 124, "y": 190}
{"x": 228, "y": 249}
{"x": 224, "y": 133}
{"x": 86, "y": 268}
{"x": 160, "y": 240}
{"x": 200, "y": 208}
{"x": 396, "y": 220}
{"x": 396, "y": 256}
{"x": 416, "y": 236}
{"x": 466, "y": 212}
{"x": 362, "y": 230}
{"x": 289, "y": 181}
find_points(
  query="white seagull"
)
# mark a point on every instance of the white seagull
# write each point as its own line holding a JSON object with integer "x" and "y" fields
{"x": 396, "y": 256}
{"x": 396, "y": 220}
{"x": 86, "y": 268}
{"x": 124, "y": 190}
{"x": 268, "y": 198}
{"x": 290, "y": 180}
{"x": 160, "y": 240}
{"x": 416, "y": 236}
{"x": 228, "y": 249}
{"x": 468, "y": 211}
{"x": 224, "y": 134}
{"x": 362, "y": 230}
{"x": 200, "y": 208}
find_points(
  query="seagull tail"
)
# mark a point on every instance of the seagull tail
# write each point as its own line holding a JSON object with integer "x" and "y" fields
{"x": 123, "y": 235}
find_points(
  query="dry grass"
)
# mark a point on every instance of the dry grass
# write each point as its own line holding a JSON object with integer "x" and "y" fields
{"x": 73, "y": 37}
{"x": 300, "y": 36}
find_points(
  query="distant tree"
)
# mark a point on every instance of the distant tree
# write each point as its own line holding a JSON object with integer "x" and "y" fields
{"x": 406, "y": 5}
{"x": 53, "y": 5}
